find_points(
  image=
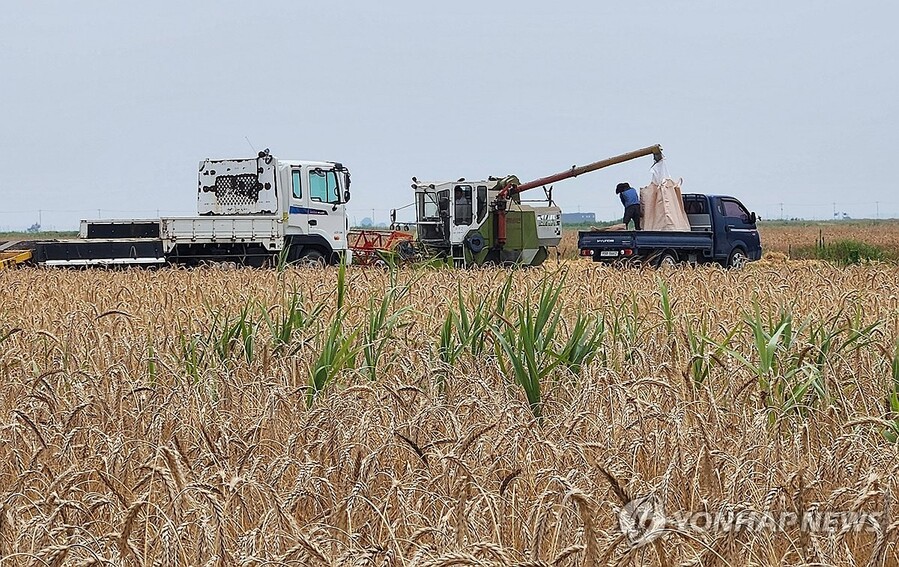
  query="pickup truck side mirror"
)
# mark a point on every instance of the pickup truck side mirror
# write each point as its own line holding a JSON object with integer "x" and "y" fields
{"x": 753, "y": 218}
{"x": 346, "y": 196}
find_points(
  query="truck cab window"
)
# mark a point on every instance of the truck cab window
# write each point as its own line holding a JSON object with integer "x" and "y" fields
{"x": 323, "y": 186}
{"x": 695, "y": 207}
{"x": 482, "y": 202}
{"x": 733, "y": 209}
{"x": 297, "y": 186}
{"x": 463, "y": 204}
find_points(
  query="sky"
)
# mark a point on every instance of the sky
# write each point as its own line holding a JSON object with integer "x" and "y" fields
{"x": 107, "y": 107}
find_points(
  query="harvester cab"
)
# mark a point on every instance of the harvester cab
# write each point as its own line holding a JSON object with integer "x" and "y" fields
{"x": 457, "y": 220}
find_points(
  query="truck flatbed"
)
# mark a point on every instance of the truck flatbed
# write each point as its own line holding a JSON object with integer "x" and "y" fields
{"x": 264, "y": 230}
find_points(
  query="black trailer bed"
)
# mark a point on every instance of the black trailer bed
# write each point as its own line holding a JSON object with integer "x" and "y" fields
{"x": 97, "y": 252}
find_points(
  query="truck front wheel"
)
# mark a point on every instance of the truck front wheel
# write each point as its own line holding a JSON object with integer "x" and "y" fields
{"x": 310, "y": 257}
{"x": 737, "y": 259}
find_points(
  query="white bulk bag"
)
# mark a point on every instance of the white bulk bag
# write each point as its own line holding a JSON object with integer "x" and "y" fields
{"x": 663, "y": 207}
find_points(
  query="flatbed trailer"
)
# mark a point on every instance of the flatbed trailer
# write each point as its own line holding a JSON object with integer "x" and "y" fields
{"x": 99, "y": 252}
{"x": 239, "y": 239}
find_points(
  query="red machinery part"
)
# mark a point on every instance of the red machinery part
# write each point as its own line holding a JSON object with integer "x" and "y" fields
{"x": 368, "y": 244}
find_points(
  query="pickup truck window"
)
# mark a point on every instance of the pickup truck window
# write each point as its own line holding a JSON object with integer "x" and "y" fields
{"x": 695, "y": 207}
{"x": 733, "y": 209}
{"x": 297, "y": 186}
{"x": 323, "y": 186}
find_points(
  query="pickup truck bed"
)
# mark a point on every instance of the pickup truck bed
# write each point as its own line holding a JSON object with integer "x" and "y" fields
{"x": 612, "y": 245}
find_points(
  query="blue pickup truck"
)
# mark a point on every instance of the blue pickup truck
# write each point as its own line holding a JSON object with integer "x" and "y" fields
{"x": 721, "y": 230}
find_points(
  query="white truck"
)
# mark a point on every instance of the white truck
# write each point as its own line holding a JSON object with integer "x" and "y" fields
{"x": 252, "y": 211}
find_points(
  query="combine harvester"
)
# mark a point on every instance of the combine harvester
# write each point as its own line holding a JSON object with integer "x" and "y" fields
{"x": 262, "y": 211}
{"x": 487, "y": 222}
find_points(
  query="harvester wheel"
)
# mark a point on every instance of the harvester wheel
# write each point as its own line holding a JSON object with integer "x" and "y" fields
{"x": 475, "y": 243}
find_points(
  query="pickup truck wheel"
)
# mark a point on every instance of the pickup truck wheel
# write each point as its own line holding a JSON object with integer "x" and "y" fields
{"x": 667, "y": 260}
{"x": 737, "y": 259}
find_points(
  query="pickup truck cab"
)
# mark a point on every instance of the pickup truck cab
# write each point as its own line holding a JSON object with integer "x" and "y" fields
{"x": 721, "y": 230}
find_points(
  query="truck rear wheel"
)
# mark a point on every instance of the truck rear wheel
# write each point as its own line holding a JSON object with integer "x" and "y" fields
{"x": 667, "y": 260}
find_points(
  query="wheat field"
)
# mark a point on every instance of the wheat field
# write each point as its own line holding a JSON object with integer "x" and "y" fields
{"x": 445, "y": 417}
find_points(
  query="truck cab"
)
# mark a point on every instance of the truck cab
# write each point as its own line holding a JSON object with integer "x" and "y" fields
{"x": 722, "y": 230}
{"x": 263, "y": 207}
{"x": 733, "y": 225}
{"x": 315, "y": 211}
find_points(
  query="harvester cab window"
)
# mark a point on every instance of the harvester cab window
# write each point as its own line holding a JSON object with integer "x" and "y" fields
{"x": 297, "y": 185}
{"x": 482, "y": 202}
{"x": 323, "y": 186}
{"x": 427, "y": 206}
{"x": 463, "y": 204}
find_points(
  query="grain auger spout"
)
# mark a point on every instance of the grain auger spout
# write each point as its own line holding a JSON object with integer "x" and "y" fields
{"x": 510, "y": 186}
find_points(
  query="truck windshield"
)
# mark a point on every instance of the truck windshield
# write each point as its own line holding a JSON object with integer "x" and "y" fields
{"x": 427, "y": 206}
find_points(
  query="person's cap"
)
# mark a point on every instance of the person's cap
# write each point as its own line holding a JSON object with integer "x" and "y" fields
{"x": 622, "y": 187}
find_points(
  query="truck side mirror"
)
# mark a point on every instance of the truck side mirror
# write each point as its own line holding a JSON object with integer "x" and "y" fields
{"x": 346, "y": 196}
{"x": 752, "y": 218}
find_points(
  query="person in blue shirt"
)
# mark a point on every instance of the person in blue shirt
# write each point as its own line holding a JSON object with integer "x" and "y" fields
{"x": 631, "y": 202}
